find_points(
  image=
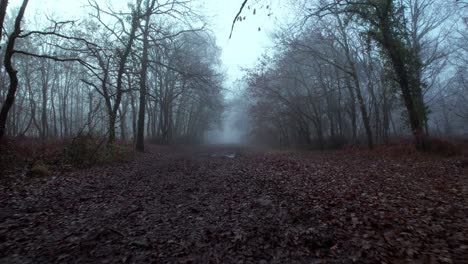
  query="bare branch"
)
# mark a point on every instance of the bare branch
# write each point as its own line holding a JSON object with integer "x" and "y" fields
{"x": 237, "y": 17}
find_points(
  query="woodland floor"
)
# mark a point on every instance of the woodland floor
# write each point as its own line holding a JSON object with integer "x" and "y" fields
{"x": 201, "y": 205}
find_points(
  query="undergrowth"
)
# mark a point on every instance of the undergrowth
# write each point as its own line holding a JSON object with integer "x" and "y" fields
{"x": 33, "y": 157}
{"x": 435, "y": 147}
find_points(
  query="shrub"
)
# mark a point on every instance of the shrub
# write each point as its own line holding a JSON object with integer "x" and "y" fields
{"x": 82, "y": 151}
{"x": 443, "y": 148}
{"x": 434, "y": 146}
{"x": 115, "y": 153}
{"x": 157, "y": 140}
{"x": 396, "y": 150}
{"x": 19, "y": 153}
{"x": 40, "y": 158}
{"x": 337, "y": 142}
{"x": 39, "y": 169}
{"x": 87, "y": 150}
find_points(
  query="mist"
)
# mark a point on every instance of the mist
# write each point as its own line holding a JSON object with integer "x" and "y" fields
{"x": 228, "y": 133}
{"x": 241, "y": 131}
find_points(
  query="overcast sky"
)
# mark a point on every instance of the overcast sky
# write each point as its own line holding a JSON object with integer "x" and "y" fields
{"x": 242, "y": 50}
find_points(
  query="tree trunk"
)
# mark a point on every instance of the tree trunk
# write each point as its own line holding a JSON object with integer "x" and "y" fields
{"x": 365, "y": 116}
{"x": 90, "y": 113}
{"x": 134, "y": 117}
{"x": 404, "y": 80}
{"x": 140, "y": 140}
{"x": 352, "y": 110}
{"x": 45, "y": 84}
{"x": 12, "y": 73}
{"x": 3, "y": 9}
{"x": 112, "y": 121}
{"x": 357, "y": 85}
{"x": 122, "y": 114}
{"x": 120, "y": 74}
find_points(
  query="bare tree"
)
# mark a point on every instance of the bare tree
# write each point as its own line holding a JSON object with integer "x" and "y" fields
{"x": 8, "y": 63}
{"x": 3, "y": 9}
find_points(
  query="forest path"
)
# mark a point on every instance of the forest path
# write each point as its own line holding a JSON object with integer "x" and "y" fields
{"x": 225, "y": 204}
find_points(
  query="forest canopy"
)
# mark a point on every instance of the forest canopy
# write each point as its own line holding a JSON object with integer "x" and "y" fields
{"x": 362, "y": 72}
{"x": 150, "y": 71}
{"x": 343, "y": 72}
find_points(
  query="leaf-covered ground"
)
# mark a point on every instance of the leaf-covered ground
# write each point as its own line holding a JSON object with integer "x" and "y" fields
{"x": 180, "y": 205}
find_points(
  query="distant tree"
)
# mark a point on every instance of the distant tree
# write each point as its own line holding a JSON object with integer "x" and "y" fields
{"x": 126, "y": 39}
{"x": 140, "y": 137}
{"x": 149, "y": 51}
{"x": 3, "y": 9}
{"x": 53, "y": 49}
{"x": 385, "y": 24}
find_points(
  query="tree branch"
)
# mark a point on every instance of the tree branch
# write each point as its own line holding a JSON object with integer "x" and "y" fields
{"x": 237, "y": 16}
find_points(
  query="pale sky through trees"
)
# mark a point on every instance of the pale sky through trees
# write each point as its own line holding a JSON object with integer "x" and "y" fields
{"x": 300, "y": 70}
{"x": 160, "y": 131}
{"x": 250, "y": 38}
{"x": 242, "y": 50}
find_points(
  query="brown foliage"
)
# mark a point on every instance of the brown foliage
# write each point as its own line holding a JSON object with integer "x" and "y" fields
{"x": 443, "y": 148}
{"x": 33, "y": 157}
{"x": 87, "y": 150}
{"x": 404, "y": 147}
{"x": 40, "y": 170}
{"x": 19, "y": 155}
{"x": 178, "y": 205}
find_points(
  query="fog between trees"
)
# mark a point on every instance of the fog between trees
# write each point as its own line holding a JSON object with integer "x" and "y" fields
{"x": 345, "y": 72}
{"x": 149, "y": 71}
{"x": 363, "y": 72}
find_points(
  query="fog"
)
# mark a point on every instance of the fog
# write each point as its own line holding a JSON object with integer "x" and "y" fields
{"x": 234, "y": 127}
{"x": 292, "y": 74}
{"x": 229, "y": 133}
{"x": 233, "y": 131}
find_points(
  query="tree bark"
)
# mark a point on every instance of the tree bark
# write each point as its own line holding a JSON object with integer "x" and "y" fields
{"x": 120, "y": 74}
{"x": 404, "y": 80}
{"x": 140, "y": 140}
{"x": 12, "y": 73}
{"x": 3, "y": 9}
{"x": 354, "y": 75}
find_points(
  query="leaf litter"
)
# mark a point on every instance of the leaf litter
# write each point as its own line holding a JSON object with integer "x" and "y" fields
{"x": 194, "y": 205}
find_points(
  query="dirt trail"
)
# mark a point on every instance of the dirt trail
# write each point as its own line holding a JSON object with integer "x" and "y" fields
{"x": 228, "y": 205}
